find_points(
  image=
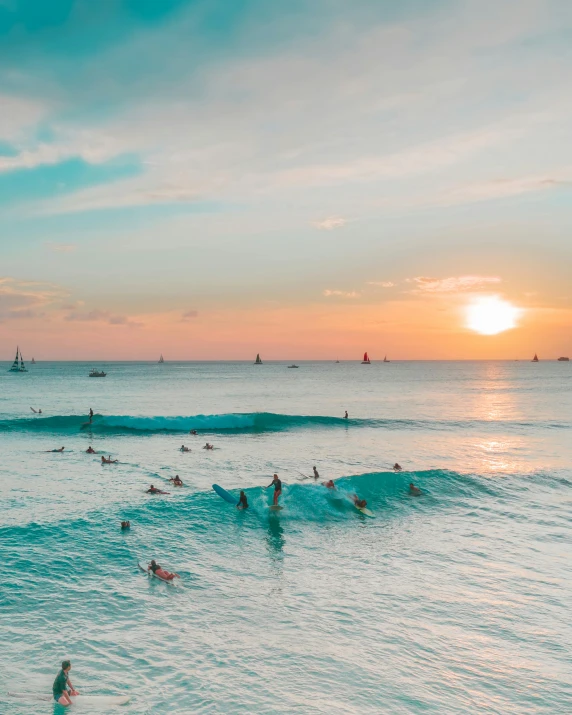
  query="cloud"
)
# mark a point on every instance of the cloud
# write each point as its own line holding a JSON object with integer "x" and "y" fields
{"x": 102, "y": 316}
{"x": 341, "y": 293}
{"x": 457, "y": 284}
{"x": 189, "y": 315}
{"x": 26, "y": 299}
{"x": 330, "y": 223}
{"x": 62, "y": 247}
{"x": 382, "y": 284}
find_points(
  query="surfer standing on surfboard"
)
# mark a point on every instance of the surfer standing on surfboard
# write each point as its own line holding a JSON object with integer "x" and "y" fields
{"x": 277, "y": 488}
{"x": 242, "y": 501}
{"x": 90, "y": 415}
{"x": 59, "y": 688}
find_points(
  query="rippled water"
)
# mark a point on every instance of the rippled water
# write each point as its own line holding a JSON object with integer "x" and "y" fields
{"x": 456, "y": 601}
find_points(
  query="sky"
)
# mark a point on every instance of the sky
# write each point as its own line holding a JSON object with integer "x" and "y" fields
{"x": 213, "y": 179}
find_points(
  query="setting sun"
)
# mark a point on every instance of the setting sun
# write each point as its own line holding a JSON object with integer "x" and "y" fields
{"x": 491, "y": 315}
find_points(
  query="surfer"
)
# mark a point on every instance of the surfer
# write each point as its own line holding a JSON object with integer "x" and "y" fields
{"x": 36, "y": 412}
{"x": 316, "y": 475}
{"x": 414, "y": 491}
{"x": 277, "y": 488}
{"x": 160, "y": 572}
{"x": 396, "y": 467}
{"x": 330, "y": 484}
{"x": 125, "y": 524}
{"x": 193, "y": 431}
{"x": 242, "y": 501}
{"x": 177, "y": 481}
{"x": 90, "y": 450}
{"x": 346, "y": 415}
{"x": 90, "y": 415}
{"x": 184, "y": 449}
{"x": 61, "y": 449}
{"x": 61, "y": 684}
{"x": 108, "y": 460}
{"x": 208, "y": 446}
{"x": 360, "y": 503}
{"x": 154, "y": 490}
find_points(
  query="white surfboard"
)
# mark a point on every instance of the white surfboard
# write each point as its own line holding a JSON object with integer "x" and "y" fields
{"x": 86, "y": 701}
{"x": 276, "y": 508}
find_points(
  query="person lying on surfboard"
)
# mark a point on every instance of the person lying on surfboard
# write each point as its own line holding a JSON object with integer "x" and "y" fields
{"x": 193, "y": 431}
{"x": 90, "y": 450}
{"x": 397, "y": 467}
{"x": 414, "y": 491}
{"x": 242, "y": 501}
{"x": 184, "y": 449}
{"x": 61, "y": 684}
{"x": 154, "y": 490}
{"x": 108, "y": 460}
{"x": 277, "y": 488}
{"x": 316, "y": 475}
{"x": 330, "y": 484}
{"x": 61, "y": 449}
{"x": 160, "y": 572}
{"x": 360, "y": 503}
{"x": 208, "y": 446}
{"x": 177, "y": 481}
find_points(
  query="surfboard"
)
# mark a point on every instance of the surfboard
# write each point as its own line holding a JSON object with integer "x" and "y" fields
{"x": 100, "y": 701}
{"x": 227, "y": 496}
{"x": 154, "y": 575}
{"x": 276, "y": 508}
{"x": 365, "y": 511}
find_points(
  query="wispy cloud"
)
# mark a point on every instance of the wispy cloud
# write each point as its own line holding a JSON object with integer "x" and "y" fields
{"x": 26, "y": 299}
{"x": 454, "y": 284}
{"x": 330, "y": 223}
{"x": 341, "y": 293}
{"x": 382, "y": 284}
{"x": 189, "y": 315}
{"x": 102, "y": 316}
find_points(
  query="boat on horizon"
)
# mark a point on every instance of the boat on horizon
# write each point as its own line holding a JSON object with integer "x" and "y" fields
{"x": 97, "y": 373}
{"x": 535, "y": 358}
{"x": 563, "y": 359}
{"x": 161, "y": 359}
{"x": 366, "y": 360}
{"x": 385, "y": 359}
{"x": 258, "y": 361}
{"x": 290, "y": 366}
{"x": 32, "y": 362}
{"x": 18, "y": 364}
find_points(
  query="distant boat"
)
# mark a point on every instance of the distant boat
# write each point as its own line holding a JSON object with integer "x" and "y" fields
{"x": 535, "y": 358}
{"x": 337, "y": 362}
{"x": 161, "y": 359}
{"x": 366, "y": 360}
{"x": 293, "y": 366}
{"x": 385, "y": 359}
{"x": 33, "y": 362}
{"x": 18, "y": 364}
{"x": 563, "y": 359}
{"x": 258, "y": 361}
{"x": 97, "y": 373}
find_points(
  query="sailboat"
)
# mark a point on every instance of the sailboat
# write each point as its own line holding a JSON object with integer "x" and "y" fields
{"x": 32, "y": 362}
{"x": 161, "y": 359}
{"x": 385, "y": 359}
{"x": 18, "y": 364}
{"x": 258, "y": 361}
{"x": 366, "y": 360}
{"x": 535, "y": 358}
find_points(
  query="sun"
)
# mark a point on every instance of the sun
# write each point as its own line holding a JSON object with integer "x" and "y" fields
{"x": 490, "y": 315}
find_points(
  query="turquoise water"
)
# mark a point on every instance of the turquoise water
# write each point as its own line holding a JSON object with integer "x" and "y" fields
{"x": 458, "y": 601}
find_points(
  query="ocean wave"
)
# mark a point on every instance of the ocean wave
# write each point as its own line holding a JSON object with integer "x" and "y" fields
{"x": 245, "y": 422}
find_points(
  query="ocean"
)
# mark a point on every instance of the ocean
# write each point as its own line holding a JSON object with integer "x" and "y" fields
{"x": 456, "y": 601}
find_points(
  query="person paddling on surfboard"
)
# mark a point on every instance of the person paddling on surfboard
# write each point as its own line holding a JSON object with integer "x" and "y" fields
{"x": 61, "y": 684}
{"x": 242, "y": 501}
{"x": 160, "y": 572}
{"x": 277, "y": 488}
{"x": 154, "y": 490}
{"x": 108, "y": 460}
{"x": 414, "y": 491}
{"x": 208, "y": 446}
{"x": 360, "y": 503}
{"x": 177, "y": 481}
{"x": 330, "y": 484}
{"x": 61, "y": 449}
{"x": 184, "y": 449}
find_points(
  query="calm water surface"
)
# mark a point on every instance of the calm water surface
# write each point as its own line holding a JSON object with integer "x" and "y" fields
{"x": 458, "y": 601}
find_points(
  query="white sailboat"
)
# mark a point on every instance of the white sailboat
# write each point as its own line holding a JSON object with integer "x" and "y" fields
{"x": 18, "y": 364}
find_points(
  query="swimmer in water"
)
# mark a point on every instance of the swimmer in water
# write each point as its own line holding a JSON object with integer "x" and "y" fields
{"x": 61, "y": 449}
{"x": 414, "y": 491}
{"x": 125, "y": 524}
{"x": 316, "y": 475}
{"x": 397, "y": 467}
{"x": 330, "y": 484}
{"x": 193, "y": 431}
{"x": 184, "y": 449}
{"x": 208, "y": 446}
{"x": 108, "y": 460}
{"x": 90, "y": 450}
{"x": 177, "y": 481}
{"x": 154, "y": 490}
{"x": 160, "y": 572}
{"x": 242, "y": 501}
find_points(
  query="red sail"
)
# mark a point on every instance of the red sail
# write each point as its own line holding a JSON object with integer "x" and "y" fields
{"x": 365, "y": 357}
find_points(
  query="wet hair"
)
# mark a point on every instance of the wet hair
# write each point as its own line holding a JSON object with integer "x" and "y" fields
{"x": 66, "y": 664}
